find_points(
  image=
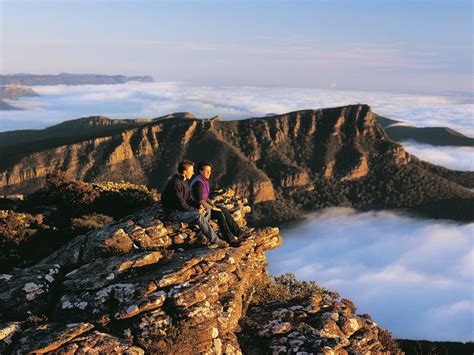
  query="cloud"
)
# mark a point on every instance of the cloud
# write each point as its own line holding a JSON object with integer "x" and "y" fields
{"x": 459, "y": 158}
{"x": 132, "y": 100}
{"x": 413, "y": 276}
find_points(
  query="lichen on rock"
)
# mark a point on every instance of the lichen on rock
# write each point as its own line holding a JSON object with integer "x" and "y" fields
{"x": 144, "y": 285}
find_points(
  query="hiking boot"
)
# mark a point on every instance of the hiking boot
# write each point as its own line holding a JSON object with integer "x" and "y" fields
{"x": 219, "y": 243}
{"x": 246, "y": 233}
{"x": 235, "y": 242}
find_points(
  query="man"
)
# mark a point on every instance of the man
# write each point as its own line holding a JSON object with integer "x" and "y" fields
{"x": 200, "y": 187}
{"x": 178, "y": 204}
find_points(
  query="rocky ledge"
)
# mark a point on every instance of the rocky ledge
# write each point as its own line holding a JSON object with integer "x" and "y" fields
{"x": 142, "y": 285}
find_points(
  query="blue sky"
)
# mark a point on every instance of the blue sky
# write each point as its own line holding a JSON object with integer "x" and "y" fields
{"x": 364, "y": 44}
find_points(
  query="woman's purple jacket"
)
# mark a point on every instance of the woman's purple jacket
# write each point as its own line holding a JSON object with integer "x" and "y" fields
{"x": 205, "y": 184}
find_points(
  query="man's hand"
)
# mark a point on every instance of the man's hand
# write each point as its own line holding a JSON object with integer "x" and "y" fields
{"x": 202, "y": 210}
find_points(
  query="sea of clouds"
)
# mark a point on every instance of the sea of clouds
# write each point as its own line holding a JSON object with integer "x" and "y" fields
{"x": 149, "y": 100}
{"x": 458, "y": 158}
{"x": 413, "y": 276}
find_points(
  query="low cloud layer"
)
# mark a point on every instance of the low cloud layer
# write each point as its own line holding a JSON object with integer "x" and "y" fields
{"x": 131, "y": 100}
{"x": 413, "y": 276}
{"x": 148, "y": 100}
{"x": 458, "y": 158}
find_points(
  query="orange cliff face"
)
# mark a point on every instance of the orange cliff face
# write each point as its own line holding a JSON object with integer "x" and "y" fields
{"x": 255, "y": 156}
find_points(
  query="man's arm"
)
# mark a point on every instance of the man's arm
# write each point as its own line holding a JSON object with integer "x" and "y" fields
{"x": 179, "y": 192}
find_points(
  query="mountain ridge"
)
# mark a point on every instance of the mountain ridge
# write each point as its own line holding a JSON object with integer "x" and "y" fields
{"x": 443, "y": 136}
{"x": 267, "y": 159}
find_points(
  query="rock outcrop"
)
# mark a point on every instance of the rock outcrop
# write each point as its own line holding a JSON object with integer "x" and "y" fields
{"x": 14, "y": 92}
{"x": 304, "y": 159}
{"x": 320, "y": 322}
{"x": 256, "y": 155}
{"x": 142, "y": 285}
{"x": 268, "y": 159}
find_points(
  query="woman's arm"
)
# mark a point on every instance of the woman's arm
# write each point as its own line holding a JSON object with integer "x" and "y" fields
{"x": 199, "y": 194}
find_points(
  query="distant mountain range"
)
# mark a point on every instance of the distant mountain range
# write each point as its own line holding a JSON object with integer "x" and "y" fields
{"x": 69, "y": 79}
{"x": 400, "y": 131}
{"x": 14, "y": 92}
{"x": 286, "y": 164}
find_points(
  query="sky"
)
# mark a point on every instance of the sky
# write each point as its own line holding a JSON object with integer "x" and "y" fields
{"x": 410, "y": 60}
{"x": 413, "y": 276}
{"x": 402, "y": 45}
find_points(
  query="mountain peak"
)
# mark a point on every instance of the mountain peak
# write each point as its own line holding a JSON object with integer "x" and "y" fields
{"x": 262, "y": 158}
{"x": 177, "y": 116}
{"x": 86, "y": 122}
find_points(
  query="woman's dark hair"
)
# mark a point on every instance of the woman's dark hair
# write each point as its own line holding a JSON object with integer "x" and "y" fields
{"x": 184, "y": 165}
{"x": 202, "y": 164}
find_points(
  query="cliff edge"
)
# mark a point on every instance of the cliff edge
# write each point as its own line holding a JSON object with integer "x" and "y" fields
{"x": 141, "y": 285}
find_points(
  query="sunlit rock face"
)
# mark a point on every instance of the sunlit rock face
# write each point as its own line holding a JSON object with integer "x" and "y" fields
{"x": 145, "y": 285}
{"x": 256, "y": 154}
{"x": 305, "y": 159}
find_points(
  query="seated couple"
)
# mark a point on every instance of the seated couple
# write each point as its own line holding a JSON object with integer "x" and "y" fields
{"x": 190, "y": 204}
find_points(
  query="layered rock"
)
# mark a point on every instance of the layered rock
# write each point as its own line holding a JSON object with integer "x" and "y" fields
{"x": 144, "y": 285}
{"x": 265, "y": 159}
{"x": 14, "y": 92}
{"x": 256, "y": 155}
{"x": 136, "y": 285}
{"x": 321, "y": 322}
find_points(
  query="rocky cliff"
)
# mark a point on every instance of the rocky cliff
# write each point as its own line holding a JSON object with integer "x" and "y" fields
{"x": 142, "y": 285}
{"x": 14, "y": 92}
{"x": 264, "y": 158}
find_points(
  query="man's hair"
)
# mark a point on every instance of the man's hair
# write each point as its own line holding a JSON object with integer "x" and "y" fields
{"x": 202, "y": 164}
{"x": 184, "y": 165}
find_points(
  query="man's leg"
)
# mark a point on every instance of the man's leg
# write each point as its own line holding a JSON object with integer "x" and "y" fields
{"x": 201, "y": 221}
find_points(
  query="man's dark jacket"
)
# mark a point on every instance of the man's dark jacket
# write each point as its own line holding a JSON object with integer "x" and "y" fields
{"x": 176, "y": 196}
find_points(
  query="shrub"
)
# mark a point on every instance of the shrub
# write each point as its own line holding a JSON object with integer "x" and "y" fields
{"x": 70, "y": 196}
{"x": 121, "y": 199}
{"x": 284, "y": 288}
{"x": 85, "y": 223}
{"x": 16, "y": 229}
{"x": 273, "y": 213}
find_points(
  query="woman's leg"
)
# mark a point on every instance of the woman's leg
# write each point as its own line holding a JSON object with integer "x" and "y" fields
{"x": 223, "y": 226}
{"x": 233, "y": 226}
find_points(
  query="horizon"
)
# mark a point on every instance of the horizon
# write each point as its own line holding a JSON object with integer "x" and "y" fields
{"x": 265, "y": 44}
{"x": 379, "y": 213}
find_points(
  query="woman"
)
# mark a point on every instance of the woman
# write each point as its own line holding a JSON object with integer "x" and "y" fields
{"x": 229, "y": 228}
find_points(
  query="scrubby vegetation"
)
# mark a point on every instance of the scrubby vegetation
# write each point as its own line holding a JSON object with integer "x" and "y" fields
{"x": 284, "y": 288}
{"x": 16, "y": 229}
{"x": 34, "y": 227}
{"x": 275, "y": 212}
{"x": 435, "y": 347}
{"x": 388, "y": 186}
{"x": 120, "y": 199}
